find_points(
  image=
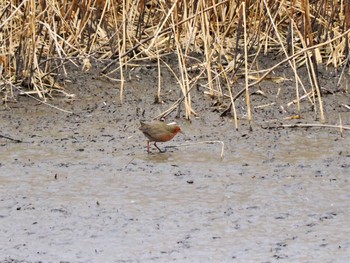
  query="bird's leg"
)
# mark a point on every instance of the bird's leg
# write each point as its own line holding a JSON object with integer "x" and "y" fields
{"x": 155, "y": 144}
{"x": 147, "y": 146}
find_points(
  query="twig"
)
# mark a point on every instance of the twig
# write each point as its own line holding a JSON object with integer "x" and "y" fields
{"x": 41, "y": 101}
{"x": 126, "y": 166}
{"x": 346, "y": 106}
{"x": 307, "y": 125}
{"x": 203, "y": 142}
{"x": 173, "y": 107}
{"x": 343, "y": 70}
{"x": 11, "y": 139}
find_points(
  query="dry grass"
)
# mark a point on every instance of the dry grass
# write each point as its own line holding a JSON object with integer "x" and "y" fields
{"x": 38, "y": 38}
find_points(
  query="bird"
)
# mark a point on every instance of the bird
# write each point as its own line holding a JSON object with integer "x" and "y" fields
{"x": 158, "y": 131}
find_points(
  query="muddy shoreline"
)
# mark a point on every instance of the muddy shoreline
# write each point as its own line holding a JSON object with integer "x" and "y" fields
{"x": 81, "y": 188}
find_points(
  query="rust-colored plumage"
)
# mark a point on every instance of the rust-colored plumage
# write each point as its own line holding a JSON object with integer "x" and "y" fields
{"x": 157, "y": 131}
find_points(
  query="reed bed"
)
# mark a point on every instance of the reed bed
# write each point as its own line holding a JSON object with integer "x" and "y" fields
{"x": 219, "y": 41}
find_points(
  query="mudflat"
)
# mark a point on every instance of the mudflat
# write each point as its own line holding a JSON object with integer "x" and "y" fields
{"x": 80, "y": 186}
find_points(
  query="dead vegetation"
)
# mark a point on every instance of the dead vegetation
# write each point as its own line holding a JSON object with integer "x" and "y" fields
{"x": 219, "y": 41}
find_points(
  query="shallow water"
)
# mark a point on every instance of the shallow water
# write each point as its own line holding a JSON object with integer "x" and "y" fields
{"x": 280, "y": 198}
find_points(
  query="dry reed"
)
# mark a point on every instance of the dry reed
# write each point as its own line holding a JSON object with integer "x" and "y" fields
{"x": 38, "y": 39}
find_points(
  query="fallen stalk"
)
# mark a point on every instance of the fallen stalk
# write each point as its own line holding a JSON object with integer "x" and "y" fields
{"x": 11, "y": 139}
{"x": 307, "y": 125}
{"x": 204, "y": 142}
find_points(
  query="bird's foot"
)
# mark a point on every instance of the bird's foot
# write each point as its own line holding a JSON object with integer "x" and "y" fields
{"x": 161, "y": 151}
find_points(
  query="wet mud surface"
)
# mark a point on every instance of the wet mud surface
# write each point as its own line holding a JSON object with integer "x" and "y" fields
{"x": 81, "y": 187}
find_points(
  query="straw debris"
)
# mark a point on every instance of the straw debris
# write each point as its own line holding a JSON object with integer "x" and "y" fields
{"x": 39, "y": 38}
